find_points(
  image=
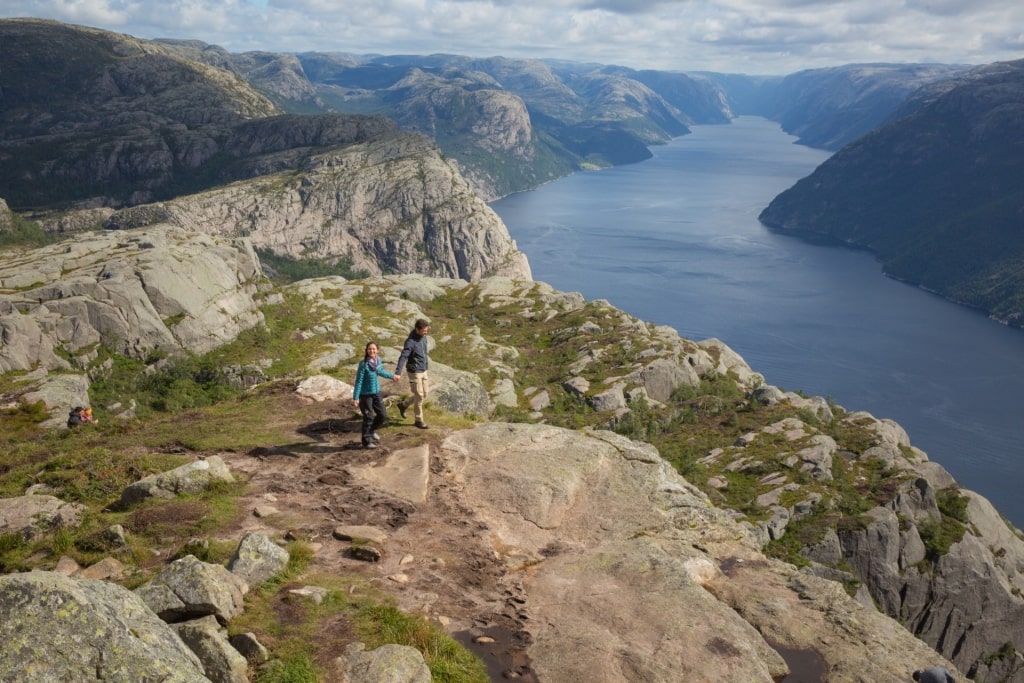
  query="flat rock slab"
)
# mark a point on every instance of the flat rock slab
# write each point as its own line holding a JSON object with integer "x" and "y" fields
{"x": 361, "y": 533}
{"x": 404, "y": 474}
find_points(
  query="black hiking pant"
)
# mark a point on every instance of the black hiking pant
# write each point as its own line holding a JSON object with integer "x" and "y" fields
{"x": 372, "y": 408}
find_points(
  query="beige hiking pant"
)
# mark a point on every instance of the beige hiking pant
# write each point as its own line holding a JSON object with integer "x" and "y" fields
{"x": 418, "y": 385}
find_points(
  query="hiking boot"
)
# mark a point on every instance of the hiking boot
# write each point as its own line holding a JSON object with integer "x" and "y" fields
{"x": 421, "y": 425}
{"x": 401, "y": 409}
{"x": 370, "y": 445}
{"x": 375, "y": 436}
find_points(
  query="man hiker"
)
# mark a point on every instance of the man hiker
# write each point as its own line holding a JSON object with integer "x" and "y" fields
{"x": 414, "y": 358}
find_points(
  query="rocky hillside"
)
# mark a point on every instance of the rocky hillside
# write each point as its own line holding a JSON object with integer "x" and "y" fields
{"x": 91, "y": 117}
{"x": 934, "y": 194}
{"x": 134, "y": 121}
{"x": 579, "y": 462}
{"x": 390, "y": 205}
{"x": 510, "y": 124}
{"x": 576, "y": 118}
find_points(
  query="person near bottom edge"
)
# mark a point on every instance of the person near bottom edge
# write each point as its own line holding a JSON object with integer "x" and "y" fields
{"x": 366, "y": 393}
{"x": 414, "y": 360}
{"x": 936, "y": 674}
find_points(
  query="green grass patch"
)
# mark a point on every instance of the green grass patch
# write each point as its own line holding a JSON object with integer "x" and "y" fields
{"x": 305, "y": 636}
{"x": 24, "y": 233}
{"x": 284, "y": 269}
{"x": 449, "y": 662}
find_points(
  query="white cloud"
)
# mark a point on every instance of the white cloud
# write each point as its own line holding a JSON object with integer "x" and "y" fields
{"x": 749, "y": 36}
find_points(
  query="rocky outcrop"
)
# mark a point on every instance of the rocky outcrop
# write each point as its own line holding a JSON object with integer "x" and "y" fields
{"x": 152, "y": 292}
{"x": 965, "y": 602}
{"x": 594, "y": 527}
{"x": 163, "y": 288}
{"x": 952, "y": 576}
{"x": 390, "y": 205}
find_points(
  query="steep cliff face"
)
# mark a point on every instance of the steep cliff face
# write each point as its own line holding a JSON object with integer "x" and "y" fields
{"x": 390, "y": 205}
{"x": 934, "y": 194}
{"x": 937, "y": 558}
{"x": 485, "y": 128}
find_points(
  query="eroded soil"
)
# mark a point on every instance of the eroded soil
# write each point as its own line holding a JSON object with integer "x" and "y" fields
{"x": 438, "y": 561}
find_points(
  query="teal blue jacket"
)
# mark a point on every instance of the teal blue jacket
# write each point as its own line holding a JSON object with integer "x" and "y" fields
{"x": 366, "y": 379}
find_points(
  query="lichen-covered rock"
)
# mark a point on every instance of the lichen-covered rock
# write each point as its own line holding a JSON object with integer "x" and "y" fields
{"x": 257, "y": 559}
{"x": 57, "y": 629}
{"x": 189, "y": 588}
{"x": 209, "y": 641}
{"x": 458, "y": 392}
{"x": 391, "y": 663}
{"x": 29, "y": 516}
{"x": 192, "y": 477}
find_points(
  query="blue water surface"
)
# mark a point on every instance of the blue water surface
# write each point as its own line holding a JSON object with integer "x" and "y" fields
{"x": 675, "y": 240}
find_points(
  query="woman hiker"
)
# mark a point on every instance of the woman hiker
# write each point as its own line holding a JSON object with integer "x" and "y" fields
{"x": 366, "y": 394}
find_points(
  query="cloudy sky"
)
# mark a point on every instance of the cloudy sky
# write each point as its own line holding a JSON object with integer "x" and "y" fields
{"x": 732, "y": 36}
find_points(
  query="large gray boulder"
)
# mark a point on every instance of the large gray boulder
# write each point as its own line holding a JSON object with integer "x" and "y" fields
{"x": 192, "y": 477}
{"x": 457, "y": 391}
{"x": 257, "y": 559}
{"x": 209, "y": 641}
{"x": 57, "y": 629}
{"x": 385, "y": 664}
{"x": 30, "y": 516}
{"x": 190, "y": 589}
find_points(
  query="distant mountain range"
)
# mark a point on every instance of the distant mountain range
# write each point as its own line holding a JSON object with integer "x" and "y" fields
{"x": 925, "y": 176}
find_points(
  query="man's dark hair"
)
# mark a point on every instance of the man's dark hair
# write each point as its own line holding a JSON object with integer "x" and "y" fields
{"x": 422, "y": 324}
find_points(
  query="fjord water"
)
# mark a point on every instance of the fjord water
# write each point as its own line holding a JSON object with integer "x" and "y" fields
{"x": 675, "y": 240}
